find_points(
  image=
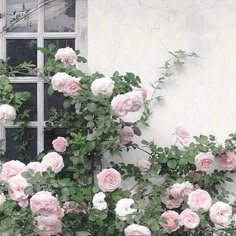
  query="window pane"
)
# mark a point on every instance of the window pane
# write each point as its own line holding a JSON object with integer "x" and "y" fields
{"x": 60, "y": 43}
{"x": 49, "y": 136}
{"x": 54, "y": 101}
{"x": 11, "y": 150}
{"x": 20, "y": 50}
{"x": 60, "y": 16}
{"x": 17, "y": 9}
{"x": 31, "y": 104}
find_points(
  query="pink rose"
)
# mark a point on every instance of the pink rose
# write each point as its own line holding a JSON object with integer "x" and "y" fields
{"x": 199, "y": 199}
{"x": 120, "y": 105}
{"x": 181, "y": 190}
{"x": 43, "y": 203}
{"x": 189, "y": 219}
{"x": 109, "y": 180}
{"x": 171, "y": 201}
{"x": 169, "y": 220}
{"x": 182, "y": 135}
{"x": 72, "y": 86}
{"x": 58, "y": 81}
{"x": 48, "y": 225}
{"x": 53, "y": 160}
{"x": 137, "y": 230}
{"x": 144, "y": 165}
{"x": 77, "y": 208}
{"x": 228, "y": 160}
{"x": 59, "y": 144}
{"x": 204, "y": 161}
{"x": 126, "y": 135}
{"x": 67, "y": 56}
{"x": 137, "y": 100}
{"x": 143, "y": 91}
{"x": 11, "y": 169}
{"x": 16, "y": 188}
{"x": 36, "y": 167}
{"x": 221, "y": 213}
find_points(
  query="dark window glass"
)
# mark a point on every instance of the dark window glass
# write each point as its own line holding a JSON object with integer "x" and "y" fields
{"x": 11, "y": 145}
{"x": 22, "y": 50}
{"x": 31, "y": 104}
{"x": 17, "y": 9}
{"x": 53, "y": 101}
{"x": 60, "y": 16}
{"x": 60, "y": 43}
{"x": 50, "y": 135}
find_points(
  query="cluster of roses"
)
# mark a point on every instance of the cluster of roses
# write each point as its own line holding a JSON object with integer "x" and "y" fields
{"x": 108, "y": 181}
{"x": 197, "y": 199}
{"x": 44, "y": 206}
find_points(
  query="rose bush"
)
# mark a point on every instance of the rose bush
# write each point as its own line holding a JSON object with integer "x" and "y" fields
{"x": 170, "y": 191}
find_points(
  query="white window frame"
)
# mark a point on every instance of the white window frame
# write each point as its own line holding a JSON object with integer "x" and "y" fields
{"x": 80, "y": 36}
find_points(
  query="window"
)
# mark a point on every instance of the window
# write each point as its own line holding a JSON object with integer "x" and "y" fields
{"x": 62, "y": 22}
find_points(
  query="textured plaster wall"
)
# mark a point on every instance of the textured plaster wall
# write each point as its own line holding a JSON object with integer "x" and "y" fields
{"x": 135, "y": 35}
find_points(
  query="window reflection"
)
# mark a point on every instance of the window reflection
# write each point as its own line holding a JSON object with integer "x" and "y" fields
{"x": 17, "y": 9}
{"x": 60, "y": 16}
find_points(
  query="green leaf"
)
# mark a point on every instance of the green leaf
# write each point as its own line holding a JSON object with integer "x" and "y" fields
{"x": 28, "y": 190}
{"x": 50, "y": 90}
{"x": 137, "y": 131}
{"x": 172, "y": 163}
{"x": 92, "y": 107}
{"x": 89, "y": 146}
{"x": 66, "y": 103}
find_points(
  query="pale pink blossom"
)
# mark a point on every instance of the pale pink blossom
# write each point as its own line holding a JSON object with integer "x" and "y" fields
{"x": 67, "y": 56}
{"x": 102, "y": 86}
{"x": 16, "y": 188}
{"x": 109, "y": 180}
{"x": 144, "y": 165}
{"x": 72, "y": 86}
{"x": 171, "y": 201}
{"x": 36, "y": 167}
{"x": 228, "y": 160}
{"x": 182, "y": 190}
{"x": 137, "y": 100}
{"x": 7, "y": 113}
{"x": 120, "y": 105}
{"x": 143, "y": 91}
{"x": 189, "y": 219}
{"x": 126, "y": 135}
{"x": 204, "y": 161}
{"x": 169, "y": 221}
{"x": 53, "y": 160}
{"x": 199, "y": 199}
{"x": 59, "y": 144}
{"x": 137, "y": 230}
{"x": 221, "y": 213}
{"x": 182, "y": 134}
{"x": 43, "y": 203}
{"x": 58, "y": 81}
{"x": 48, "y": 225}
{"x": 11, "y": 169}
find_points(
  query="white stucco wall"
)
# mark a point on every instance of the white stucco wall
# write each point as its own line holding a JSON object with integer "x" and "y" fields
{"x": 135, "y": 35}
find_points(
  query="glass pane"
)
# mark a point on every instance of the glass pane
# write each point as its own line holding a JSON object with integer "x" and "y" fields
{"x": 54, "y": 101}
{"x": 49, "y": 136}
{"x": 17, "y": 9}
{"x": 31, "y": 150}
{"x": 60, "y": 43}
{"x": 21, "y": 50}
{"x": 60, "y": 16}
{"x": 31, "y": 104}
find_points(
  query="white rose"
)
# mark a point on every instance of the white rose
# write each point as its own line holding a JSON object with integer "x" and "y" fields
{"x": 2, "y": 198}
{"x": 58, "y": 81}
{"x": 123, "y": 208}
{"x": 67, "y": 56}
{"x": 53, "y": 160}
{"x": 103, "y": 86}
{"x": 98, "y": 201}
{"x": 7, "y": 113}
